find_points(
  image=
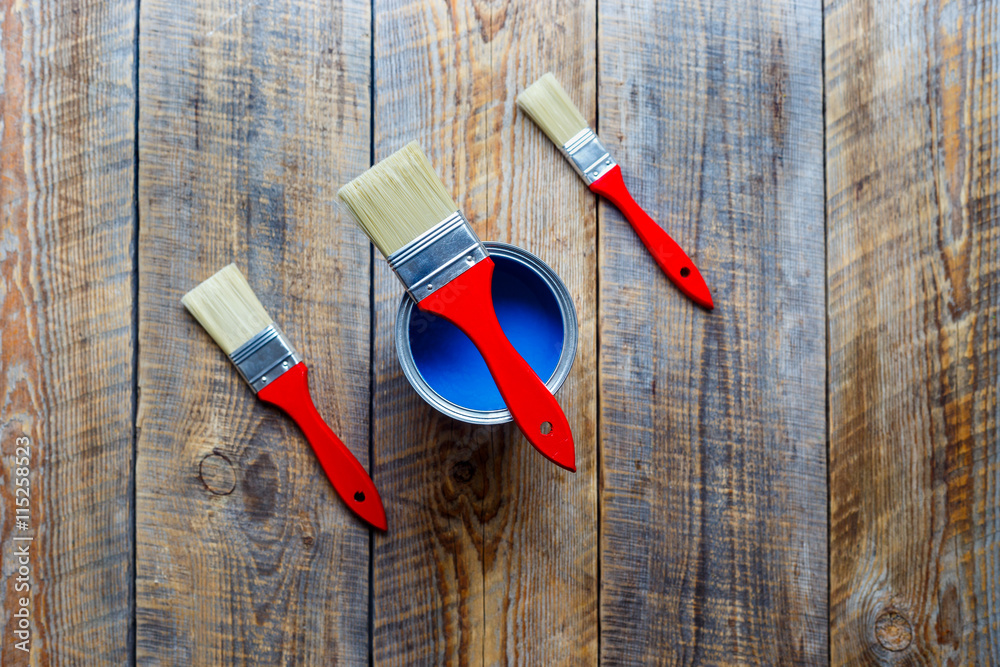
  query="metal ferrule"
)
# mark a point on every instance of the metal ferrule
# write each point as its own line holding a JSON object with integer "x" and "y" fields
{"x": 587, "y": 155}
{"x": 438, "y": 256}
{"x": 264, "y": 358}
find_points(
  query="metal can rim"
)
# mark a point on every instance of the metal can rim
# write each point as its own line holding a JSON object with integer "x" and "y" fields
{"x": 488, "y": 417}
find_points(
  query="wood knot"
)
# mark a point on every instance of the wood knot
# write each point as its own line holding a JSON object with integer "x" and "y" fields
{"x": 260, "y": 487}
{"x": 216, "y": 472}
{"x": 491, "y": 17}
{"x": 307, "y": 533}
{"x": 463, "y": 472}
{"x": 893, "y": 631}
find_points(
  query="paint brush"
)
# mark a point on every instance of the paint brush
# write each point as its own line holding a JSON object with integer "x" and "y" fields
{"x": 550, "y": 107}
{"x": 406, "y": 211}
{"x": 232, "y": 315}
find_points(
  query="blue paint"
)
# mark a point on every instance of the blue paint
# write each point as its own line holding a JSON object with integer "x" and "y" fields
{"x": 529, "y": 314}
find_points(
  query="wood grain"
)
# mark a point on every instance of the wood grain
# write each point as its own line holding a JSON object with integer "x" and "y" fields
{"x": 66, "y": 331}
{"x": 712, "y": 427}
{"x": 695, "y": 530}
{"x": 251, "y": 114}
{"x": 913, "y": 154}
{"x": 492, "y": 555}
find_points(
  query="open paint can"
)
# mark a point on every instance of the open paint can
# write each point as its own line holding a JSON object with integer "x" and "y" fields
{"x": 536, "y": 313}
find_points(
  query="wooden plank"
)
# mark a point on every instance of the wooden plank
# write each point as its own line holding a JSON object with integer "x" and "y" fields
{"x": 66, "y": 285}
{"x": 913, "y": 155}
{"x": 491, "y": 555}
{"x": 252, "y": 114}
{"x": 712, "y": 425}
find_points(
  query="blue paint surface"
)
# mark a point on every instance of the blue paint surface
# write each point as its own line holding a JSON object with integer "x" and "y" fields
{"x": 529, "y": 314}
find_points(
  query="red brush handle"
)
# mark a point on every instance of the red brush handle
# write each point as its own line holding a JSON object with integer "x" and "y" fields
{"x": 290, "y": 392}
{"x": 671, "y": 258}
{"x": 467, "y": 302}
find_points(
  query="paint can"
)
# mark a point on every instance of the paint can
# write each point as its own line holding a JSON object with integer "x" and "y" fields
{"x": 536, "y": 313}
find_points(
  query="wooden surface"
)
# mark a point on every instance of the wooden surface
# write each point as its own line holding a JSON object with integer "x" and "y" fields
{"x": 713, "y": 508}
{"x": 492, "y": 552}
{"x": 251, "y": 115}
{"x": 67, "y": 336}
{"x": 914, "y": 259}
{"x": 857, "y": 340}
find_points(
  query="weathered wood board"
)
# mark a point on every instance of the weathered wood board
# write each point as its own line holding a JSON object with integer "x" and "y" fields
{"x": 66, "y": 335}
{"x": 251, "y": 115}
{"x": 712, "y": 425}
{"x": 695, "y": 530}
{"x": 913, "y": 156}
{"x": 492, "y": 554}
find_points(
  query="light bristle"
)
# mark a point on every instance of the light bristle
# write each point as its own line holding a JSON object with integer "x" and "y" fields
{"x": 552, "y": 109}
{"x": 398, "y": 199}
{"x": 228, "y": 309}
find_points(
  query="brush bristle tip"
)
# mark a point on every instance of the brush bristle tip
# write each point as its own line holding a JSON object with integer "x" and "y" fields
{"x": 398, "y": 199}
{"x": 227, "y": 307}
{"x": 548, "y": 104}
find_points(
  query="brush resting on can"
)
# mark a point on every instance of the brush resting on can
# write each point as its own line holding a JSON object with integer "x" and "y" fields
{"x": 226, "y": 306}
{"x": 469, "y": 306}
{"x": 551, "y": 108}
{"x": 404, "y": 208}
